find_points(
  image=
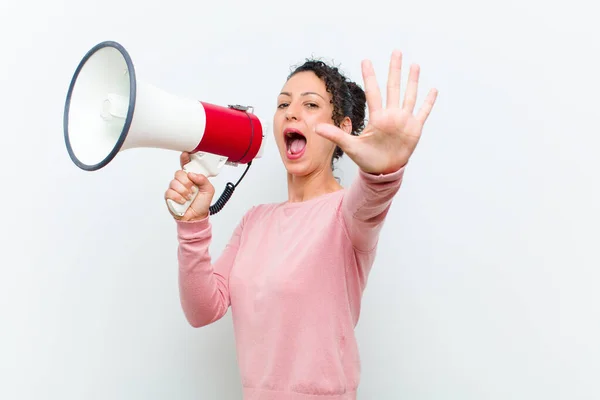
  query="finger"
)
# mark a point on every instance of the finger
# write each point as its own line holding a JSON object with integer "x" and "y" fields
{"x": 410, "y": 97}
{"x": 371, "y": 88}
{"x": 183, "y": 177}
{"x": 181, "y": 189}
{"x": 171, "y": 194}
{"x": 336, "y": 135}
{"x": 393, "y": 83}
{"x": 427, "y": 106}
{"x": 184, "y": 158}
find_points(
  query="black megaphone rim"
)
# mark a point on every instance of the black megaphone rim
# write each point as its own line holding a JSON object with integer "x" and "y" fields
{"x": 130, "y": 111}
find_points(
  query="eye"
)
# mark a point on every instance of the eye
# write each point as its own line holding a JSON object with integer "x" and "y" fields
{"x": 312, "y": 105}
{"x": 282, "y": 105}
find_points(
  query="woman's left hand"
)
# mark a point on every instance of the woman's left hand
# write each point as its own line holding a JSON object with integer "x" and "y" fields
{"x": 392, "y": 133}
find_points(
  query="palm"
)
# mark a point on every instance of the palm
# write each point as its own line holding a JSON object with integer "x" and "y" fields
{"x": 393, "y": 132}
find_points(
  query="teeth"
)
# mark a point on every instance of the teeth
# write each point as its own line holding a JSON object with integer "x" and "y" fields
{"x": 292, "y": 133}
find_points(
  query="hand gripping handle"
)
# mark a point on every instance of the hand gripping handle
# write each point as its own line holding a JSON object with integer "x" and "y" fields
{"x": 206, "y": 164}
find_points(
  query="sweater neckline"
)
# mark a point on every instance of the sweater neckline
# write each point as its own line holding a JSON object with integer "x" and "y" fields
{"x": 322, "y": 197}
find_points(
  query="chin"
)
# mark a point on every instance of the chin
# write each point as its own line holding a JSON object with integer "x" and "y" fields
{"x": 296, "y": 167}
{"x": 294, "y": 153}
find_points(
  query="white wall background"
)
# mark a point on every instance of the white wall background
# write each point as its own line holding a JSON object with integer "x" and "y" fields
{"x": 488, "y": 277}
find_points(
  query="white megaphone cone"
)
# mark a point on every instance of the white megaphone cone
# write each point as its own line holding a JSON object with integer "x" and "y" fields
{"x": 109, "y": 110}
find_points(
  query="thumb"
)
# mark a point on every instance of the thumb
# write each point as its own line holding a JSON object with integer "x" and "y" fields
{"x": 199, "y": 180}
{"x": 336, "y": 135}
{"x": 184, "y": 158}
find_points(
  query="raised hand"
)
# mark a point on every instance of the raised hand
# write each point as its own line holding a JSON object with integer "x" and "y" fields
{"x": 392, "y": 133}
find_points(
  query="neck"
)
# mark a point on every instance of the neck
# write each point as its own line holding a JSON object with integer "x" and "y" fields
{"x": 303, "y": 188}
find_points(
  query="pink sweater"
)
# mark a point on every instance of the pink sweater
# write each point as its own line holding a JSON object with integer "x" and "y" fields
{"x": 293, "y": 274}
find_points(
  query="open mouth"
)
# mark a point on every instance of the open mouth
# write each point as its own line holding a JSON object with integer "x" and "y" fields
{"x": 295, "y": 141}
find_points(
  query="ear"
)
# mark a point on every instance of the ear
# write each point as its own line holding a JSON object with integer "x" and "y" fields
{"x": 346, "y": 125}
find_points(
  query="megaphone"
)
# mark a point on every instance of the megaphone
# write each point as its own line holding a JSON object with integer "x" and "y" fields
{"x": 109, "y": 110}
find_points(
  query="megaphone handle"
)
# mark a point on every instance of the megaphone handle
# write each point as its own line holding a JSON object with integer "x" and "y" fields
{"x": 206, "y": 164}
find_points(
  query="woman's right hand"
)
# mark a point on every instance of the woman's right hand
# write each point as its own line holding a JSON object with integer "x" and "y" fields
{"x": 181, "y": 188}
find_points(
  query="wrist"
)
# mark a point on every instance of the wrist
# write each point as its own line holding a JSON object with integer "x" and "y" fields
{"x": 387, "y": 171}
{"x": 196, "y": 217}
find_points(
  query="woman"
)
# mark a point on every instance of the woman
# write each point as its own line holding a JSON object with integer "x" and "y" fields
{"x": 294, "y": 272}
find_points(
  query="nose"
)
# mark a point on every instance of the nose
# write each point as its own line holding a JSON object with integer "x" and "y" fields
{"x": 289, "y": 115}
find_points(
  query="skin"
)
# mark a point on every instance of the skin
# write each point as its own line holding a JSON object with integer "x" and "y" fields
{"x": 303, "y": 104}
{"x": 385, "y": 145}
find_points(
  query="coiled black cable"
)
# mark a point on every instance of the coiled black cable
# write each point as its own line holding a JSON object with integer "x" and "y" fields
{"x": 230, "y": 187}
{"x": 227, "y": 192}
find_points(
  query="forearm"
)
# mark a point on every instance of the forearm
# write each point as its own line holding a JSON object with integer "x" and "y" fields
{"x": 366, "y": 204}
{"x": 202, "y": 288}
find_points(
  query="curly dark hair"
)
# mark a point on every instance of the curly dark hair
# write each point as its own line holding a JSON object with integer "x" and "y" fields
{"x": 347, "y": 97}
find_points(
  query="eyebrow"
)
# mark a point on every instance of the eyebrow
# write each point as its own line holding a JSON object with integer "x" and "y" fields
{"x": 303, "y": 94}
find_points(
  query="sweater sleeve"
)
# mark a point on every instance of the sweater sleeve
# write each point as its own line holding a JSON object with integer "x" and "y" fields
{"x": 365, "y": 206}
{"x": 204, "y": 284}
